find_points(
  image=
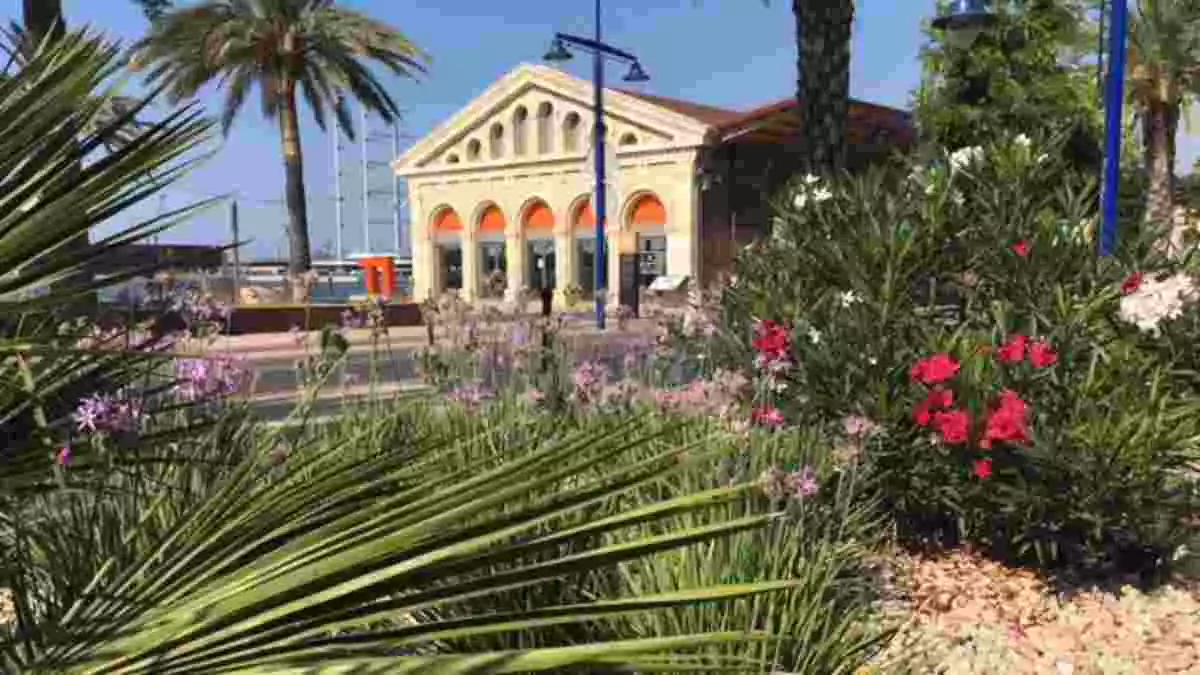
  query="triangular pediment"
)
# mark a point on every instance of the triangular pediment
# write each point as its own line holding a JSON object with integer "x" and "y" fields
{"x": 529, "y": 115}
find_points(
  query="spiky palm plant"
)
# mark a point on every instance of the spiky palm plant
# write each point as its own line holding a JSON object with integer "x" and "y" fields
{"x": 285, "y": 49}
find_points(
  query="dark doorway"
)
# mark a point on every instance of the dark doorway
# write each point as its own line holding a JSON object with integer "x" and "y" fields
{"x": 541, "y": 264}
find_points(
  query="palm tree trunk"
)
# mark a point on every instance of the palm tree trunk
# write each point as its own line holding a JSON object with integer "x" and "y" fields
{"x": 823, "y": 43}
{"x": 299, "y": 249}
{"x": 1160, "y": 123}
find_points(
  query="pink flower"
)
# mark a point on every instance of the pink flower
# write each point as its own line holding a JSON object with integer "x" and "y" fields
{"x": 1013, "y": 351}
{"x": 767, "y": 416}
{"x": 1022, "y": 248}
{"x": 64, "y": 457}
{"x": 938, "y": 399}
{"x": 935, "y": 369}
{"x": 1042, "y": 355}
{"x": 802, "y": 484}
{"x": 954, "y": 426}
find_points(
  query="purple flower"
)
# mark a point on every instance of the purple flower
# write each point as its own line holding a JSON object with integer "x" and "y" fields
{"x": 206, "y": 378}
{"x": 470, "y": 396}
{"x": 802, "y": 484}
{"x": 64, "y": 456}
{"x": 589, "y": 379}
{"x": 351, "y": 319}
{"x": 105, "y": 413}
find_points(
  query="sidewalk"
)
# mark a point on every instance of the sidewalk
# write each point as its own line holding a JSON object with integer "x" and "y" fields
{"x": 291, "y": 346}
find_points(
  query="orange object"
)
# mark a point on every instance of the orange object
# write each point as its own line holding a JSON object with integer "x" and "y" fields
{"x": 379, "y": 272}
{"x": 539, "y": 217}
{"x": 649, "y": 211}
{"x": 447, "y": 220}
{"x": 492, "y": 220}
{"x": 584, "y": 216}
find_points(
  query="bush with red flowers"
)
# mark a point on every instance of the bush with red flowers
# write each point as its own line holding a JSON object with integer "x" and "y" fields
{"x": 962, "y": 309}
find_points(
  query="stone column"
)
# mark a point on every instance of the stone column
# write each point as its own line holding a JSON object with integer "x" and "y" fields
{"x": 470, "y": 264}
{"x": 564, "y": 262}
{"x": 683, "y": 230}
{"x": 424, "y": 261}
{"x": 514, "y": 255}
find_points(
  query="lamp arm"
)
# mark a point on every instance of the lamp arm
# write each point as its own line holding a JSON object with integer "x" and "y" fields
{"x": 593, "y": 47}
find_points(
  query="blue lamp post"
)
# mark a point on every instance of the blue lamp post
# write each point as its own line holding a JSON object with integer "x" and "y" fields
{"x": 964, "y": 20}
{"x": 559, "y": 51}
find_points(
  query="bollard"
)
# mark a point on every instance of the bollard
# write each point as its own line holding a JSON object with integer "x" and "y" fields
{"x": 547, "y": 301}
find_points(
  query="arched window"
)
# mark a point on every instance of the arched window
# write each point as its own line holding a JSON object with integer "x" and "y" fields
{"x": 452, "y": 159}
{"x": 629, "y": 138}
{"x": 520, "y": 118}
{"x": 545, "y": 128}
{"x": 496, "y": 141}
{"x": 571, "y": 126}
{"x": 473, "y": 149}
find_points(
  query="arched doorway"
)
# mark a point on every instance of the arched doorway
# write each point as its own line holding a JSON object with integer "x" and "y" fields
{"x": 448, "y": 259}
{"x": 648, "y": 219}
{"x": 493, "y": 259}
{"x": 541, "y": 262}
{"x": 583, "y": 242}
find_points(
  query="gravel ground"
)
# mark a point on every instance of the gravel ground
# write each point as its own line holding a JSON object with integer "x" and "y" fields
{"x": 963, "y": 614}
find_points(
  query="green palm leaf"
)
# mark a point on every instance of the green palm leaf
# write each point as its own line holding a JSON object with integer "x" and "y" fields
{"x": 329, "y": 571}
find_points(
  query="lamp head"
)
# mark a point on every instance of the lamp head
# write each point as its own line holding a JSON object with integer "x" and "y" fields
{"x": 557, "y": 52}
{"x": 636, "y": 74}
{"x": 965, "y": 20}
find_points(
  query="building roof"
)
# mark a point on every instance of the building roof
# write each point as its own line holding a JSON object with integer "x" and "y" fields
{"x": 779, "y": 120}
{"x": 710, "y": 115}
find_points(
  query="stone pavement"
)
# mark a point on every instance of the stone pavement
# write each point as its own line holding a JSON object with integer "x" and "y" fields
{"x": 281, "y": 346}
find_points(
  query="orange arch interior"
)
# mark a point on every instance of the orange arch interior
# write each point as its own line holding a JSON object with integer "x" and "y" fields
{"x": 584, "y": 216}
{"x": 539, "y": 217}
{"x": 648, "y": 211}
{"x": 492, "y": 220}
{"x": 447, "y": 220}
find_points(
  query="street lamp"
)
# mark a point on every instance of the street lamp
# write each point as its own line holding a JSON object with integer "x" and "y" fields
{"x": 965, "y": 20}
{"x": 560, "y": 50}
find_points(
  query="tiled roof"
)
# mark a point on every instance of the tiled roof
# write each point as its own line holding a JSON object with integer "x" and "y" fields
{"x": 707, "y": 114}
{"x": 731, "y": 121}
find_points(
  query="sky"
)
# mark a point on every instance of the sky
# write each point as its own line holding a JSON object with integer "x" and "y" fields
{"x": 729, "y": 53}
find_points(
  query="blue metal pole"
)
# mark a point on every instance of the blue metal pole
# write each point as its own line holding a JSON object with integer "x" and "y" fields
{"x": 601, "y": 198}
{"x": 1114, "y": 107}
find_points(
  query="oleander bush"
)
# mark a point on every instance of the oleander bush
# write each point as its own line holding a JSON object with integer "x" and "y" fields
{"x": 1023, "y": 394}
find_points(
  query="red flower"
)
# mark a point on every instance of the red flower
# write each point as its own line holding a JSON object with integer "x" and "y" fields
{"x": 1013, "y": 351}
{"x": 772, "y": 340}
{"x": 1008, "y": 422}
{"x": 935, "y": 369}
{"x": 1042, "y": 355}
{"x": 767, "y": 417}
{"x": 1022, "y": 248}
{"x": 938, "y": 399}
{"x": 983, "y": 468}
{"x": 1132, "y": 283}
{"x": 954, "y": 425}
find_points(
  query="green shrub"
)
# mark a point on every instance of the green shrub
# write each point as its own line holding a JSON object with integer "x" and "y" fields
{"x": 880, "y": 271}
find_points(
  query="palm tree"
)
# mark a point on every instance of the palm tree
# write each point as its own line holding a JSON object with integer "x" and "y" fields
{"x": 285, "y": 48}
{"x": 1163, "y": 76}
{"x": 823, "y": 46}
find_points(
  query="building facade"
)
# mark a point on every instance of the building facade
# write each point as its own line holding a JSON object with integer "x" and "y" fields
{"x": 500, "y": 194}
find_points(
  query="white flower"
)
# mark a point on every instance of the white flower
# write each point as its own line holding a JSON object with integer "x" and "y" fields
{"x": 1156, "y": 301}
{"x": 821, "y": 194}
{"x": 814, "y": 336}
{"x": 849, "y": 298}
{"x": 1042, "y": 157}
{"x": 963, "y": 157}
{"x": 872, "y": 360}
{"x": 1023, "y": 141}
{"x": 810, "y": 179}
{"x": 800, "y": 200}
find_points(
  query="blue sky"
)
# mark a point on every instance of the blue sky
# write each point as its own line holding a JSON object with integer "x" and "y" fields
{"x": 730, "y": 53}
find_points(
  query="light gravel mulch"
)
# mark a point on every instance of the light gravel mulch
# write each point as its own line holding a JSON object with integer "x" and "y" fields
{"x": 963, "y": 614}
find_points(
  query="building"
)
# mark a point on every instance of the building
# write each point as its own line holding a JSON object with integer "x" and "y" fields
{"x": 500, "y": 193}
